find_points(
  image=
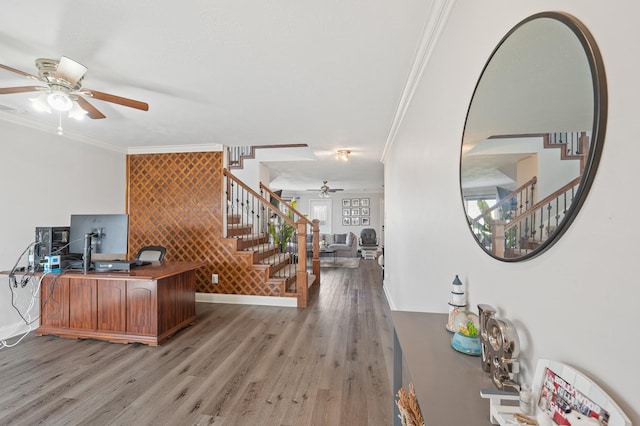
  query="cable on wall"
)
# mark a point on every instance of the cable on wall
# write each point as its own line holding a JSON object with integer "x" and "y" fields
{"x": 33, "y": 281}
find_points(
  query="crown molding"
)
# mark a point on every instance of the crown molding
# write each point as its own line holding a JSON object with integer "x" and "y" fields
{"x": 213, "y": 147}
{"x": 436, "y": 19}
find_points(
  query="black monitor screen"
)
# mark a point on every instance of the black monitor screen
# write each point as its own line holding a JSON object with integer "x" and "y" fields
{"x": 110, "y": 233}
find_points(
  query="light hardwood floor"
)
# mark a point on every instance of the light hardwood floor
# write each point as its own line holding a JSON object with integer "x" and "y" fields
{"x": 328, "y": 364}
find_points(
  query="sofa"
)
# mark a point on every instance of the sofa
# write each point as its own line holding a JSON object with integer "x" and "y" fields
{"x": 346, "y": 245}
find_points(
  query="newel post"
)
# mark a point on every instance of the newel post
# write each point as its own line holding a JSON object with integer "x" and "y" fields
{"x": 497, "y": 237}
{"x": 316, "y": 249}
{"x": 302, "y": 277}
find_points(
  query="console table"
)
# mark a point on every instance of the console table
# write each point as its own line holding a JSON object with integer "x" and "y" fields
{"x": 147, "y": 304}
{"x": 447, "y": 383}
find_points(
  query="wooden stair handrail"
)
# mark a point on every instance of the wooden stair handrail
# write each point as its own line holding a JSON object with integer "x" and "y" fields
{"x": 294, "y": 210}
{"x": 518, "y": 135}
{"x": 513, "y": 194}
{"x": 541, "y": 203}
{"x": 258, "y": 196}
{"x": 315, "y": 232}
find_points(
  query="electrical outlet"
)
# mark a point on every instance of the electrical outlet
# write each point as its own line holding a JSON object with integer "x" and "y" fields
{"x": 214, "y": 278}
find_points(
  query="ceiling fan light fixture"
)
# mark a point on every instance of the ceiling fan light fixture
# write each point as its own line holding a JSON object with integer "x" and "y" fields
{"x": 40, "y": 103}
{"x": 343, "y": 154}
{"x": 59, "y": 101}
{"x": 77, "y": 112}
{"x": 324, "y": 190}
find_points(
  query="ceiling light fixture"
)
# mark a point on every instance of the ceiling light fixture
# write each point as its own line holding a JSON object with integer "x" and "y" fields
{"x": 77, "y": 112}
{"x": 40, "y": 103}
{"x": 59, "y": 101}
{"x": 343, "y": 154}
{"x": 324, "y": 190}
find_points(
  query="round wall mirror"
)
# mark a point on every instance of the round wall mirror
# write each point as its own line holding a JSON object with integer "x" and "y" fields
{"x": 533, "y": 136}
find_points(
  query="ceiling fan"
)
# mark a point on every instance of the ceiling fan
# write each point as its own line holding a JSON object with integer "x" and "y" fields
{"x": 325, "y": 190}
{"x": 63, "y": 91}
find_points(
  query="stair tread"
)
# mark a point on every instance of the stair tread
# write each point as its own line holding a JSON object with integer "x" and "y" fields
{"x": 276, "y": 258}
{"x": 233, "y": 218}
{"x": 239, "y": 226}
{"x": 288, "y": 272}
{"x": 259, "y": 248}
{"x": 248, "y": 237}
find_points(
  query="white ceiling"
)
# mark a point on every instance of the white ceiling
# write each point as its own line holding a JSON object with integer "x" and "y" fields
{"x": 328, "y": 74}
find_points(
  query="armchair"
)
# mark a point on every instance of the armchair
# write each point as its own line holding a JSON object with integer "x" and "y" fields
{"x": 369, "y": 243}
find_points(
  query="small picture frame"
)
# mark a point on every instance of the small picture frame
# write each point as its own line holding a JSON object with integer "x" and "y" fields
{"x": 355, "y": 202}
{"x": 364, "y": 221}
{"x": 364, "y": 211}
{"x": 355, "y": 211}
{"x": 364, "y": 202}
{"x": 346, "y": 221}
{"x": 355, "y": 221}
{"x": 346, "y": 202}
{"x": 346, "y": 212}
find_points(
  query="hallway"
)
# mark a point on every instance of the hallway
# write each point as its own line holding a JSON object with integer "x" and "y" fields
{"x": 328, "y": 364}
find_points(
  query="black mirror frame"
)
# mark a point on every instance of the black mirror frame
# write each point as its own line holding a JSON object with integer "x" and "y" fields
{"x": 600, "y": 96}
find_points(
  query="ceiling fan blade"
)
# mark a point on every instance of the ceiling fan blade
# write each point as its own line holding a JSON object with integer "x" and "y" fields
{"x": 131, "y": 103}
{"x": 92, "y": 111}
{"x": 70, "y": 70}
{"x": 9, "y": 90}
{"x": 26, "y": 74}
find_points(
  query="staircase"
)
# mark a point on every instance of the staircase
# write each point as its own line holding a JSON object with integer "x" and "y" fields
{"x": 573, "y": 145}
{"x": 271, "y": 237}
{"x": 236, "y": 155}
{"x": 517, "y": 224}
{"x": 280, "y": 268}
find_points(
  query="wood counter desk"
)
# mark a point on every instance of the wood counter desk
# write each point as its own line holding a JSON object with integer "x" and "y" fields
{"x": 447, "y": 383}
{"x": 147, "y": 304}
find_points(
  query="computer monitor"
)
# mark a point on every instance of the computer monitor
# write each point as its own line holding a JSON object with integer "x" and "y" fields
{"x": 110, "y": 235}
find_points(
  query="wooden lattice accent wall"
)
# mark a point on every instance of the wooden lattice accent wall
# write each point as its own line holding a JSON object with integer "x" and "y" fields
{"x": 176, "y": 200}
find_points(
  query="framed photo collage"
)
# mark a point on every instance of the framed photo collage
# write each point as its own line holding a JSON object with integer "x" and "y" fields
{"x": 355, "y": 212}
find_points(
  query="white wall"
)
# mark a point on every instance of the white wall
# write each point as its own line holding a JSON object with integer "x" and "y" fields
{"x": 45, "y": 178}
{"x": 336, "y": 207}
{"x": 577, "y": 302}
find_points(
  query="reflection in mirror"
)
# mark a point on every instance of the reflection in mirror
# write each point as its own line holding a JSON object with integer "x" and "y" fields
{"x": 533, "y": 136}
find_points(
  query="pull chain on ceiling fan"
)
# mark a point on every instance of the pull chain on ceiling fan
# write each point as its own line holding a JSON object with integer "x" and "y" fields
{"x": 63, "y": 91}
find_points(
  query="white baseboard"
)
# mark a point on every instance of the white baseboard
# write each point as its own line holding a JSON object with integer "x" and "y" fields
{"x": 389, "y": 300}
{"x": 242, "y": 299}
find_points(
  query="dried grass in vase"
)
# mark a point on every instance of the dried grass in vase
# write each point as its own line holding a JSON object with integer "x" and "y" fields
{"x": 410, "y": 414}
